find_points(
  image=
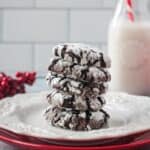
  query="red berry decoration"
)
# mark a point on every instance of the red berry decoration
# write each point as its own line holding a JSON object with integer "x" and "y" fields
{"x": 10, "y": 86}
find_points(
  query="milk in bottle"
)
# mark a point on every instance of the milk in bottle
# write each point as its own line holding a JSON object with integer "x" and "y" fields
{"x": 129, "y": 49}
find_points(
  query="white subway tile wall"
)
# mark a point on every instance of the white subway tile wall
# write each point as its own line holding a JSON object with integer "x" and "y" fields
{"x": 30, "y": 28}
{"x": 69, "y": 3}
{"x": 110, "y": 3}
{"x": 16, "y": 3}
{"x": 34, "y": 25}
{"x": 42, "y": 55}
{"x": 15, "y": 57}
{"x": 89, "y": 26}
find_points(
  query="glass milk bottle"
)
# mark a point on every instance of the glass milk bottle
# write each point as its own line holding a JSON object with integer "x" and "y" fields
{"x": 129, "y": 47}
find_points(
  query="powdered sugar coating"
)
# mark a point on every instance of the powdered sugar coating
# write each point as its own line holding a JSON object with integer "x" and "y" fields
{"x": 76, "y": 120}
{"x": 79, "y": 72}
{"x": 78, "y": 75}
{"x": 75, "y": 87}
{"x": 74, "y": 102}
{"x": 82, "y": 54}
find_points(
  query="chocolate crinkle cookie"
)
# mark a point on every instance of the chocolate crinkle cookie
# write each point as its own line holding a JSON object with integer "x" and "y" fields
{"x": 78, "y": 72}
{"x": 75, "y": 87}
{"x": 74, "y": 102}
{"x": 82, "y": 54}
{"x": 78, "y": 77}
{"x": 76, "y": 120}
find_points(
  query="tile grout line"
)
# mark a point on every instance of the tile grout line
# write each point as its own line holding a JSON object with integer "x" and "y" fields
{"x": 102, "y": 3}
{"x": 34, "y": 4}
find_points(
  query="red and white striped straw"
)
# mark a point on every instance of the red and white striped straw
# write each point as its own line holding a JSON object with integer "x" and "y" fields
{"x": 130, "y": 11}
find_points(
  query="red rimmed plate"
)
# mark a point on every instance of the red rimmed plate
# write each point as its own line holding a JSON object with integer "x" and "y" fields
{"x": 24, "y": 144}
{"x": 22, "y": 115}
{"x": 145, "y": 135}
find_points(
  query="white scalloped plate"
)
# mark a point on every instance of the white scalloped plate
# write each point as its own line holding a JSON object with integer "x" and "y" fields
{"x": 24, "y": 114}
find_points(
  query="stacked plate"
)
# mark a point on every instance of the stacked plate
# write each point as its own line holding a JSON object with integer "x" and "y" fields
{"x": 22, "y": 124}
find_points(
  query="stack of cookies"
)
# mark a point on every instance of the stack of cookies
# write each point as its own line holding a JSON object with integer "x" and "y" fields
{"x": 78, "y": 75}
